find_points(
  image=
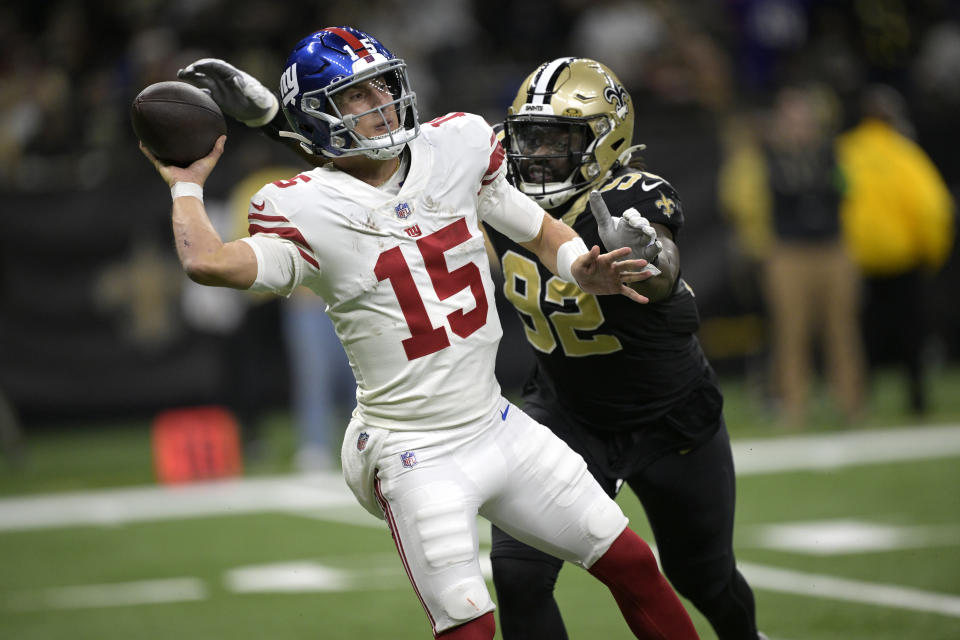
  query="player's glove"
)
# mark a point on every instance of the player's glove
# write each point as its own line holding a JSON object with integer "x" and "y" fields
{"x": 236, "y": 92}
{"x": 630, "y": 230}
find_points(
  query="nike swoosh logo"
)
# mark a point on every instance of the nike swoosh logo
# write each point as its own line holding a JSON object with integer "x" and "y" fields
{"x": 647, "y": 187}
{"x": 503, "y": 414}
{"x": 259, "y": 207}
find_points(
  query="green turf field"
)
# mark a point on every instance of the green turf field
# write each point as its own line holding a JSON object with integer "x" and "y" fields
{"x": 844, "y": 534}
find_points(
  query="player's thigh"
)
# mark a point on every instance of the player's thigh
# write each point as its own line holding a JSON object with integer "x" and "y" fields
{"x": 689, "y": 501}
{"x": 432, "y": 513}
{"x": 592, "y": 444}
{"x": 550, "y": 500}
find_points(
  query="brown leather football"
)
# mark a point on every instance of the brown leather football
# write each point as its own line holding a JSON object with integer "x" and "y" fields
{"x": 177, "y": 122}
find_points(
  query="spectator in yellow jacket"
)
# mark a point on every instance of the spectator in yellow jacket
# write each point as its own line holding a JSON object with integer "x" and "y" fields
{"x": 897, "y": 223}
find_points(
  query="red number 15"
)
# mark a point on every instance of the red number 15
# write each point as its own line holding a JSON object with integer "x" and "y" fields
{"x": 424, "y": 337}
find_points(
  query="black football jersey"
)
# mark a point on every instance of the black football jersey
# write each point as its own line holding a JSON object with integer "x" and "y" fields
{"x": 613, "y": 363}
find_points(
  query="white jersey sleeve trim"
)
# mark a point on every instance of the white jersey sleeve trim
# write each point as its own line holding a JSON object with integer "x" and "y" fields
{"x": 279, "y": 265}
{"x": 509, "y": 211}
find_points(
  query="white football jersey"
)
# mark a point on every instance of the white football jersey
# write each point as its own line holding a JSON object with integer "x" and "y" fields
{"x": 406, "y": 277}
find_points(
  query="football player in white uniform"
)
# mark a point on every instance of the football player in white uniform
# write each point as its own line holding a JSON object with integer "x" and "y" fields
{"x": 386, "y": 230}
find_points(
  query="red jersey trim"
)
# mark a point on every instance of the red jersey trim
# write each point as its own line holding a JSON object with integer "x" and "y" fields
{"x": 496, "y": 160}
{"x": 288, "y": 233}
{"x": 265, "y": 218}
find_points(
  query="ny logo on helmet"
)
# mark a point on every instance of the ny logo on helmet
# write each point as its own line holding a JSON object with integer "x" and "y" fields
{"x": 616, "y": 95}
{"x": 289, "y": 87}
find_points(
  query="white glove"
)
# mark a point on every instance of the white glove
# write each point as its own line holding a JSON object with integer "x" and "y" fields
{"x": 236, "y": 92}
{"x": 631, "y": 230}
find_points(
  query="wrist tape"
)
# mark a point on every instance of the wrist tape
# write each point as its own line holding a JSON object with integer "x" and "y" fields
{"x": 566, "y": 254}
{"x": 180, "y": 189}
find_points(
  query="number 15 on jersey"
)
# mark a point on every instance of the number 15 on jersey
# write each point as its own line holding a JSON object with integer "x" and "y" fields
{"x": 424, "y": 337}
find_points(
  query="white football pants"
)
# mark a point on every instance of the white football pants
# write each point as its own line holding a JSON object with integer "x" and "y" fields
{"x": 430, "y": 486}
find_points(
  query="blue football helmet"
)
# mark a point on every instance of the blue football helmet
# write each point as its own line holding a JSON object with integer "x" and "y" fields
{"x": 327, "y": 63}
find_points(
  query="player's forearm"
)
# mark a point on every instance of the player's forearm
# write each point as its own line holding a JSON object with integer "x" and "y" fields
{"x": 660, "y": 286}
{"x": 553, "y": 234}
{"x": 203, "y": 255}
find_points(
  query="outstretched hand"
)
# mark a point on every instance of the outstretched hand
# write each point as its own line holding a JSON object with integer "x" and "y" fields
{"x": 631, "y": 230}
{"x": 607, "y": 273}
{"x": 196, "y": 172}
{"x": 236, "y": 92}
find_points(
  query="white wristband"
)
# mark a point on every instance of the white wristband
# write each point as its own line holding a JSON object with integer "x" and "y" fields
{"x": 566, "y": 254}
{"x": 180, "y": 189}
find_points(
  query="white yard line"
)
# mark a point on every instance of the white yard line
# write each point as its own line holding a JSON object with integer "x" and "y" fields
{"x": 849, "y": 535}
{"x": 117, "y": 594}
{"x": 823, "y": 586}
{"x": 312, "y": 494}
{"x": 849, "y": 448}
{"x": 110, "y": 507}
{"x": 313, "y": 577}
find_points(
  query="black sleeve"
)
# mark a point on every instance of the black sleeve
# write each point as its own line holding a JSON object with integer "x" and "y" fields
{"x": 273, "y": 128}
{"x": 650, "y": 194}
{"x": 279, "y": 123}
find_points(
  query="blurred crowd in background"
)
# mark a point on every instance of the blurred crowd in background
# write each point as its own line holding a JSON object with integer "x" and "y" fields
{"x": 70, "y": 68}
{"x": 96, "y": 318}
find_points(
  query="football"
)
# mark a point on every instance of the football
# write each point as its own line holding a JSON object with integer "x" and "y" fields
{"x": 177, "y": 122}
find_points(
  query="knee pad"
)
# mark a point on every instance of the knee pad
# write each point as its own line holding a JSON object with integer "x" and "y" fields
{"x": 466, "y": 600}
{"x": 604, "y": 520}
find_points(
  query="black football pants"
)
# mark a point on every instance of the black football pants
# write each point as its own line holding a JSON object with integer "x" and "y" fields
{"x": 689, "y": 501}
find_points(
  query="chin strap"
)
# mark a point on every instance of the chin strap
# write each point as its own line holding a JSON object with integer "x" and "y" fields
{"x": 305, "y": 143}
{"x": 296, "y": 136}
{"x": 624, "y": 158}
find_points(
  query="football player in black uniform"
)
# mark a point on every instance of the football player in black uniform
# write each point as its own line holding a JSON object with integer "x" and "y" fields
{"x": 625, "y": 385}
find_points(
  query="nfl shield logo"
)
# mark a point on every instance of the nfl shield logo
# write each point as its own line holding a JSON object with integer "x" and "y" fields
{"x": 408, "y": 459}
{"x": 362, "y": 441}
{"x": 402, "y": 210}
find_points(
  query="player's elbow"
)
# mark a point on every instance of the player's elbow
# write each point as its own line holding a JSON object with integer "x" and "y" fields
{"x": 656, "y": 288}
{"x": 208, "y": 271}
{"x": 231, "y": 265}
{"x": 200, "y": 270}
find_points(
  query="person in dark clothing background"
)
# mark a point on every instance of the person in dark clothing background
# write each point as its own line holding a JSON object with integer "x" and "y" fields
{"x": 898, "y": 224}
{"x": 811, "y": 285}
